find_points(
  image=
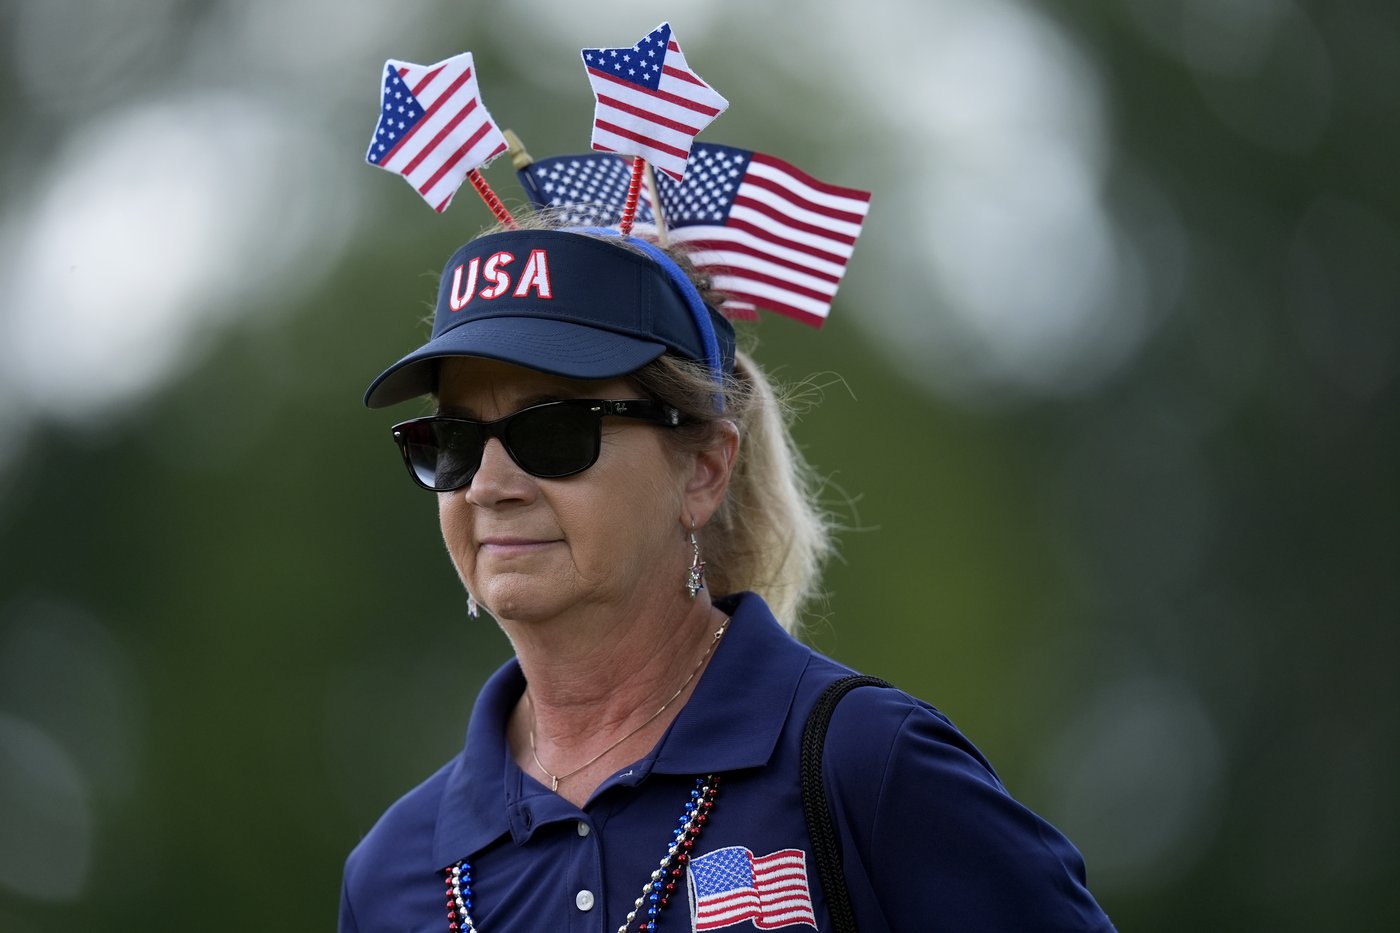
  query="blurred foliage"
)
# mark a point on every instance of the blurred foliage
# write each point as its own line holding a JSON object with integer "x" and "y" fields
{"x": 1165, "y": 605}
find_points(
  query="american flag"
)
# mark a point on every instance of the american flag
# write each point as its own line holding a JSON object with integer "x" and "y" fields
{"x": 730, "y": 885}
{"x": 586, "y": 190}
{"x": 433, "y": 128}
{"x": 650, "y": 103}
{"x": 768, "y": 234}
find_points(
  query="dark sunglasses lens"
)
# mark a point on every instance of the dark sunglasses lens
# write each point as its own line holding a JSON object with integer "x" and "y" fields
{"x": 554, "y": 440}
{"x": 444, "y": 455}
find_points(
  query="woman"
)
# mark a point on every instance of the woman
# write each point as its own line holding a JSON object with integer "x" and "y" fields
{"x": 616, "y": 486}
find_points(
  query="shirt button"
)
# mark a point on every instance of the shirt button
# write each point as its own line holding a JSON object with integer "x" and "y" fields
{"x": 584, "y": 900}
{"x": 582, "y": 828}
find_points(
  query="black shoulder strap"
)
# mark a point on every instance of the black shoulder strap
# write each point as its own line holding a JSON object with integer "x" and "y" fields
{"x": 826, "y": 850}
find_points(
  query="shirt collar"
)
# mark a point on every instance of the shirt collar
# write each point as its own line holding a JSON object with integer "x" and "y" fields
{"x": 738, "y": 709}
{"x": 732, "y": 721}
{"x": 473, "y": 811}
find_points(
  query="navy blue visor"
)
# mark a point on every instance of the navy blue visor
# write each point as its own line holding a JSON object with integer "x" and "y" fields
{"x": 564, "y": 303}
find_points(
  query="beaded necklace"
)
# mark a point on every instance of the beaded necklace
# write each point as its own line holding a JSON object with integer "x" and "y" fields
{"x": 656, "y": 893}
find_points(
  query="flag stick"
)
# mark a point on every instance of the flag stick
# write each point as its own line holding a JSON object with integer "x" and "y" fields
{"x": 634, "y": 190}
{"x": 655, "y": 197}
{"x": 489, "y": 196}
{"x": 519, "y": 158}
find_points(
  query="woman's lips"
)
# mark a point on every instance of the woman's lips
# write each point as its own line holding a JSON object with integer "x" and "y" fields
{"x": 514, "y": 547}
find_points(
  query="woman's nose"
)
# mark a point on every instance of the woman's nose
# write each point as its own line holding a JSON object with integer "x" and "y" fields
{"x": 499, "y": 478}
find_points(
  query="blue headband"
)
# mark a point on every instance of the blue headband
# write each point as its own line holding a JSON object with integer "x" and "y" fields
{"x": 562, "y": 302}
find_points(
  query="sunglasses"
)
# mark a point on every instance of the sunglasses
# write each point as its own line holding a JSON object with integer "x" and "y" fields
{"x": 549, "y": 441}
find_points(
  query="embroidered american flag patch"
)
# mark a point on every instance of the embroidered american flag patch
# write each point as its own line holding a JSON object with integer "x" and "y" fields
{"x": 732, "y": 885}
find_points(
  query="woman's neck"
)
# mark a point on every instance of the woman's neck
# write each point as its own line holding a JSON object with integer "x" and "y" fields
{"x": 600, "y": 696}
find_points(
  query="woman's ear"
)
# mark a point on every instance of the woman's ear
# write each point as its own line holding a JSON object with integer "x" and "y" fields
{"x": 710, "y": 471}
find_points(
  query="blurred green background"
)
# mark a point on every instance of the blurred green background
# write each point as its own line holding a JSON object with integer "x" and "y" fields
{"x": 1109, "y": 412}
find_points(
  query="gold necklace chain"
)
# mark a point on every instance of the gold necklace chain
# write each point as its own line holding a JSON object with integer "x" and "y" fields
{"x": 556, "y": 778}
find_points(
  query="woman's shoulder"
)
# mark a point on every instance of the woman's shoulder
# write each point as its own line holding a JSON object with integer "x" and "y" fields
{"x": 390, "y": 874}
{"x": 920, "y": 809}
{"x": 876, "y": 730}
{"x": 406, "y": 828}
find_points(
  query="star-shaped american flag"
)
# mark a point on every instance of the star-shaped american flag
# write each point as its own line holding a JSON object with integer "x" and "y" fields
{"x": 649, "y": 102}
{"x": 433, "y": 129}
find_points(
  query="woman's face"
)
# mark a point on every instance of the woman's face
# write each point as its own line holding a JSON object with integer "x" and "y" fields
{"x": 530, "y": 548}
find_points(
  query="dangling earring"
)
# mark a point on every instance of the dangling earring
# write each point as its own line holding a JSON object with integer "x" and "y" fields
{"x": 695, "y": 576}
{"x": 471, "y": 605}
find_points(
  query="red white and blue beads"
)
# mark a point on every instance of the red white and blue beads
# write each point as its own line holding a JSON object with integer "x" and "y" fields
{"x": 656, "y": 893}
{"x": 459, "y": 898}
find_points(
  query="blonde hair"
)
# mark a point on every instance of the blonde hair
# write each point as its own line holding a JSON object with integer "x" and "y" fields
{"x": 768, "y": 535}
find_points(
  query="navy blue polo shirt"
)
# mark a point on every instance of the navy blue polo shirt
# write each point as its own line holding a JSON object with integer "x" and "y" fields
{"x": 931, "y": 841}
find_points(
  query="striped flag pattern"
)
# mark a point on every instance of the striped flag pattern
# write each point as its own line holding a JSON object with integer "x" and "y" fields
{"x": 731, "y": 885}
{"x": 433, "y": 128}
{"x": 768, "y": 234}
{"x": 649, "y": 102}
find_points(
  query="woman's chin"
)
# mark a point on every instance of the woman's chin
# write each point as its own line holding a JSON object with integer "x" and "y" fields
{"x": 524, "y": 598}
